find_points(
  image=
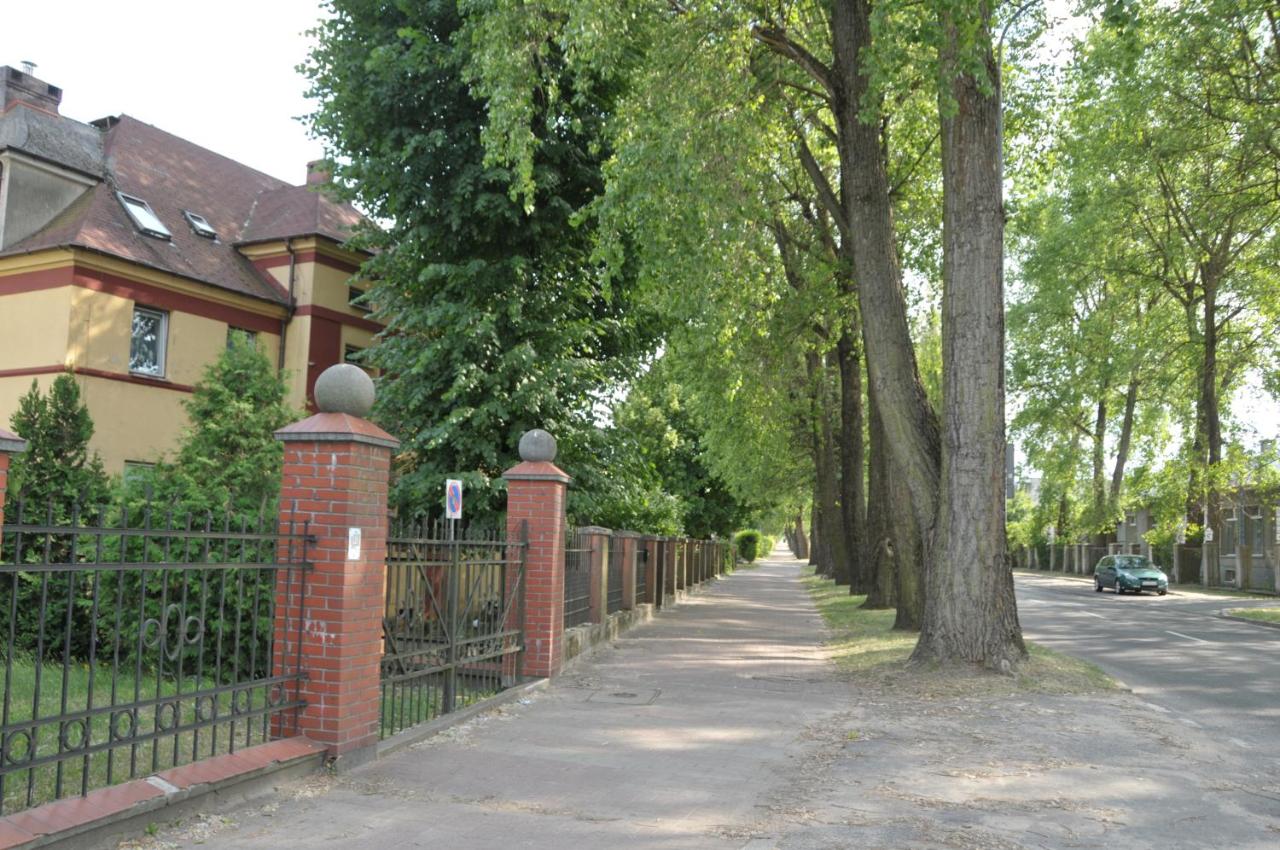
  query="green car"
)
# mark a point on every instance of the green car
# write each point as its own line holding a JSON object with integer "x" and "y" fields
{"x": 1129, "y": 573}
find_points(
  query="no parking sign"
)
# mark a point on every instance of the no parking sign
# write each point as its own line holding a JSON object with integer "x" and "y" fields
{"x": 452, "y": 499}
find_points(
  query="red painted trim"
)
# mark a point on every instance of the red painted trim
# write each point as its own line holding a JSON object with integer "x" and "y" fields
{"x": 143, "y": 293}
{"x": 155, "y": 296}
{"x": 36, "y": 281}
{"x": 341, "y": 318}
{"x": 158, "y": 383}
{"x": 309, "y": 256}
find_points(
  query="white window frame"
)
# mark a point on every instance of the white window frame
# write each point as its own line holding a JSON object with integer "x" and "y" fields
{"x": 144, "y": 218}
{"x": 162, "y": 342}
{"x": 200, "y": 225}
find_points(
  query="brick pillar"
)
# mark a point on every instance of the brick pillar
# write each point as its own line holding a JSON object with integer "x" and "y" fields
{"x": 598, "y": 539}
{"x": 628, "y": 540}
{"x": 670, "y": 588}
{"x": 336, "y": 467}
{"x": 536, "y": 492}
{"x": 10, "y": 444}
{"x": 653, "y": 564}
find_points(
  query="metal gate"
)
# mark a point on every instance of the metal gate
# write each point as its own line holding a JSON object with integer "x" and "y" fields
{"x": 453, "y": 625}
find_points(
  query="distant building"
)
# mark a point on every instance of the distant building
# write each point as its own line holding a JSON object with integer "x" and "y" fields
{"x": 130, "y": 256}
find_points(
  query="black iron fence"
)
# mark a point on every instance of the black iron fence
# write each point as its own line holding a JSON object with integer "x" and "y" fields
{"x": 577, "y": 577}
{"x": 139, "y": 640}
{"x": 453, "y": 623}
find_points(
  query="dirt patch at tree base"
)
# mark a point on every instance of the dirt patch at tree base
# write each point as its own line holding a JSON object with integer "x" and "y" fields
{"x": 904, "y": 770}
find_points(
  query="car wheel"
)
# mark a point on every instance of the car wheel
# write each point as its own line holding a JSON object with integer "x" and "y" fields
{"x": 1097, "y": 585}
{"x": 1119, "y": 589}
{"x": 1162, "y": 592}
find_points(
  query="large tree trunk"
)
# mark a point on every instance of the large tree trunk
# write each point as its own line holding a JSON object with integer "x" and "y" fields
{"x": 908, "y": 556}
{"x": 1099, "y": 480}
{"x": 1122, "y": 447}
{"x": 852, "y": 459}
{"x": 814, "y": 532}
{"x": 910, "y": 425}
{"x": 1208, "y": 442}
{"x": 802, "y": 541}
{"x": 970, "y": 612}
{"x": 827, "y": 472}
{"x": 880, "y": 554}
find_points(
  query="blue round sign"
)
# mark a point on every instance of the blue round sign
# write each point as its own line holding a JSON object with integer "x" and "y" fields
{"x": 453, "y": 499}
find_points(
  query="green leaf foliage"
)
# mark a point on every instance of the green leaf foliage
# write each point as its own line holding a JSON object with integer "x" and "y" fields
{"x": 498, "y": 317}
{"x": 58, "y": 470}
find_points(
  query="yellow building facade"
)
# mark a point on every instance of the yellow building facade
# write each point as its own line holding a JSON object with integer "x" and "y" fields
{"x": 130, "y": 257}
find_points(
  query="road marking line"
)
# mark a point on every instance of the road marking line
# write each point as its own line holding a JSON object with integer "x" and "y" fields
{"x": 1188, "y": 637}
{"x": 1189, "y": 722}
{"x": 1091, "y": 614}
{"x": 1241, "y": 744}
{"x": 1154, "y": 707}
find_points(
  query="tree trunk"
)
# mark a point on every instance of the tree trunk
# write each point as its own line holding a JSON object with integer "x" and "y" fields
{"x": 1122, "y": 448}
{"x": 852, "y": 459}
{"x": 883, "y": 590}
{"x": 908, "y": 556}
{"x": 802, "y": 541}
{"x": 1099, "y": 486}
{"x": 869, "y": 241}
{"x": 814, "y": 532}
{"x": 1209, "y": 423}
{"x": 827, "y": 471}
{"x": 970, "y": 612}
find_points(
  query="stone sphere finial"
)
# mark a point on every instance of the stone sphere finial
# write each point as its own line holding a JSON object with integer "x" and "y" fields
{"x": 537, "y": 446}
{"x": 344, "y": 388}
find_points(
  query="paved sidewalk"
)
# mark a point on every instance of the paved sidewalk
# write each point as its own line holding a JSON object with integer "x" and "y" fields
{"x": 678, "y": 736}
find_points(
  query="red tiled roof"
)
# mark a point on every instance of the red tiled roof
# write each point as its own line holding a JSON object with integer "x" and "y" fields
{"x": 172, "y": 175}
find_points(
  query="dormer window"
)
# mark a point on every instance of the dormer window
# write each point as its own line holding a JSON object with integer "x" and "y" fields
{"x": 200, "y": 225}
{"x": 143, "y": 216}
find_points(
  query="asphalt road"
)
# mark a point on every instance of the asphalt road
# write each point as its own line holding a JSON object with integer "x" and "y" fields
{"x": 1173, "y": 651}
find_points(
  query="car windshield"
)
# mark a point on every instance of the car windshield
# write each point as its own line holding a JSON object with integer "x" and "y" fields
{"x": 1133, "y": 562}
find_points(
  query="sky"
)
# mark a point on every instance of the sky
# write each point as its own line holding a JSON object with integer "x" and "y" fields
{"x": 221, "y": 74}
{"x": 224, "y": 75}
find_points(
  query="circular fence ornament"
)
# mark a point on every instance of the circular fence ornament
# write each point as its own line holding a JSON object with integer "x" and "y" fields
{"x": 537, "y": 446}
{"x": 344, "y": 388}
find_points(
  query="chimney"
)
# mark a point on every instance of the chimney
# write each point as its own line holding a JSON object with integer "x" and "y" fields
{"x": 318, "y": 173}
{"x": 21, "y": 86}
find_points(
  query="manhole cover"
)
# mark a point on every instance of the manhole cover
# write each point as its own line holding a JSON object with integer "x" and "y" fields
{"x": 624, "y": 697}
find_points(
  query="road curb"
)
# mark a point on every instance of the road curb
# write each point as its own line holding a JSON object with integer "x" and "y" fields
{"x": 1224, "y": 615}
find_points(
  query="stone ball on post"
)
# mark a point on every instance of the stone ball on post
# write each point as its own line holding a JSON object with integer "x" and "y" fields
{"x": 343, "y": 388}
{"x": 537, "y": 446}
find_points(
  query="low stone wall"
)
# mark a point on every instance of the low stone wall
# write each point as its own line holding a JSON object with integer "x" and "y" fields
{"x": 580, "y": 639}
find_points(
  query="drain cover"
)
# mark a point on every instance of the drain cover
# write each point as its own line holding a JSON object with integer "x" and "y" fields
{"x": 624, "y": 697}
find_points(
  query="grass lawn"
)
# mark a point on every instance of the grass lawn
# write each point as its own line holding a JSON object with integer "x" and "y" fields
{"x": 865, "y": 645}
{"x": 22, "y": 787}
{"x": 1265, "y": 615}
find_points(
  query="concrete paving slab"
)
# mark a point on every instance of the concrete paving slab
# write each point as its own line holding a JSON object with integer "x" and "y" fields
{"x": 669, "y": 738}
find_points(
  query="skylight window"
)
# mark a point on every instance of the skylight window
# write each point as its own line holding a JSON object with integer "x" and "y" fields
{"x": 200, "y": 225}
{"x": 143, "y": 216}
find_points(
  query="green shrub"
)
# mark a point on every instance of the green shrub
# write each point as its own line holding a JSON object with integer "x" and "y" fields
{"x": 748, "y": 542}
{"x": 767, "y": 542}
